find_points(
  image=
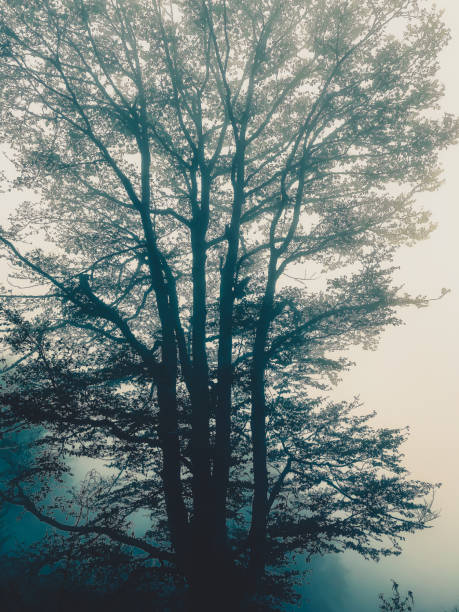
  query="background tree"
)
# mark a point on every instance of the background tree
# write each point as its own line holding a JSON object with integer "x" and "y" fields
{"x": 398, "y": 601}
{"x": 190, "y": 159}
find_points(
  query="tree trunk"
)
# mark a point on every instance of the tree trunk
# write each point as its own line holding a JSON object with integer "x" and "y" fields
{"x": 226, "y": 301}
{"x": 258, "y": 428}
{"x": 260, "y": 473}
{"x": 175, "y": 506}
{"x": 203, "y": 495}
{"x": 216, "y": 585}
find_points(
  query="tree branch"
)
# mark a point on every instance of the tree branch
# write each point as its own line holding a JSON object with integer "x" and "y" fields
{"x": 109, "y": 532}
{"x": 278, "y": 485}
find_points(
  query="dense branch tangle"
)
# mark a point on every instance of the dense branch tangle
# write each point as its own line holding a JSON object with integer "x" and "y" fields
{"x": 188, "y": 154}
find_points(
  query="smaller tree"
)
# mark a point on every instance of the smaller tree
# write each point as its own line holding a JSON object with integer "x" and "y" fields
{"x": 398, "y": 602}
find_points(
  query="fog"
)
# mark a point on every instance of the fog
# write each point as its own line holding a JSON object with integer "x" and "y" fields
{"x": 411, "y": 379}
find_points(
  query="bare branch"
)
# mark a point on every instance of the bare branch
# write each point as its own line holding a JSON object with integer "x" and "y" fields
{"x": 91, "y": 528}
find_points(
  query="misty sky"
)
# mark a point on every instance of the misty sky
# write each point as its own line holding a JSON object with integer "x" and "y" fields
{"x": 412, "y": 379}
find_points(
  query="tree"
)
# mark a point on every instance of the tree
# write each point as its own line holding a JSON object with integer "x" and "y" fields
{"x": 398, "y": 602}
{"x": 189, "y": 160}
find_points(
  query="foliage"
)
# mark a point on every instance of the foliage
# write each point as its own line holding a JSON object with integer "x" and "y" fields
{"x": 190, "y": 161}
{"x": 397, "y": 603}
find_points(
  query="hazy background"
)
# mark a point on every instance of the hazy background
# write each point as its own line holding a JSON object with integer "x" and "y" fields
{"x": 412, "y": 379}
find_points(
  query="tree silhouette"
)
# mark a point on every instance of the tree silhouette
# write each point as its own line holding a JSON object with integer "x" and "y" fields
{"x": 190, "y": 159}
{"x": 398, "y": 602}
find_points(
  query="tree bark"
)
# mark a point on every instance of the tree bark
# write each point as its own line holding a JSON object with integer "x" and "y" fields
{"x": 203, "y": 497}
{"x": 222, "y": 457}
{"x": 167, "y": 380}
{"x": 258, "y": 428}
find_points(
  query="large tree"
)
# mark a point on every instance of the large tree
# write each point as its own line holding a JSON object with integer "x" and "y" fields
{"x": 191, "y": 160}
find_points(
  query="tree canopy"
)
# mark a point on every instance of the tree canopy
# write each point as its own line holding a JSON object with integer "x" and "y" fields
{"x": 220, "y": 190}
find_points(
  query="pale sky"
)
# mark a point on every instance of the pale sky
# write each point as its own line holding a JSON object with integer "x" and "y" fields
{"x": 412, "y": 378}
